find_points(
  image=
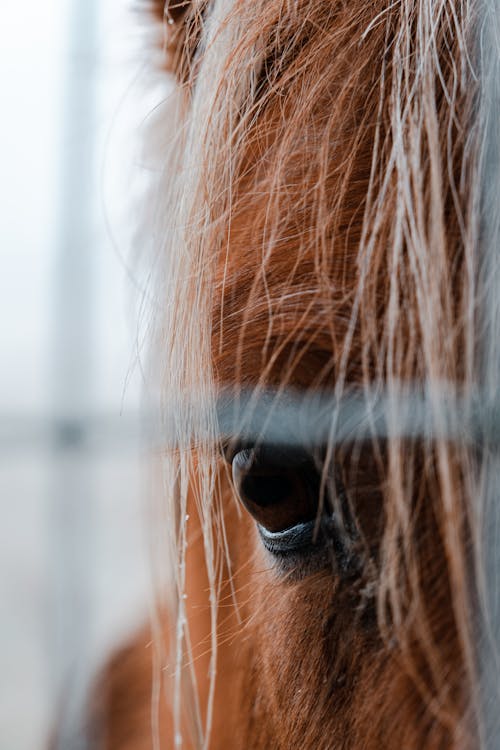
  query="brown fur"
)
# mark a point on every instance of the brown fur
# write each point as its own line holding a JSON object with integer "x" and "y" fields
{"x": 384, "y": 659}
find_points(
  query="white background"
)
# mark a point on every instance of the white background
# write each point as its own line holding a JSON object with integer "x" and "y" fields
{"x": 73, "y": 562}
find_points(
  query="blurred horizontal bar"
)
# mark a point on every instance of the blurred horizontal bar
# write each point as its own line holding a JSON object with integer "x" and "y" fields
{"x": 283, "y": 417}
{"x": 315, "y": 419}
{"x": 71, "y": 433}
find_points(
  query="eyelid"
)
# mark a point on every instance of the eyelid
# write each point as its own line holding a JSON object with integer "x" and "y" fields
{"x": 231, "y": 447}
{"x": 279, "y": 455}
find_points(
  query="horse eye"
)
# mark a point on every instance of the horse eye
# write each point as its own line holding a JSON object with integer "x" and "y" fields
{"x": 298, "y": 521}
{"x": 280, "y": 487}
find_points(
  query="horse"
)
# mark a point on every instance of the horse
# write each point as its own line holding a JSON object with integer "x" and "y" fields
{"x": 318, "y": 327}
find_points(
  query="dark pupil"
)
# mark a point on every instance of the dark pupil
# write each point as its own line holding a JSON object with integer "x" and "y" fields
{"x": 279, "y": 487}
{"x": 268, "y": 491}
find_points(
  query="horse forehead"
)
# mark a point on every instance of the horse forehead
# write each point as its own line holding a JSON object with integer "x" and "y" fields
{"x": 295, "y": 221}
{"x": 279, "y": 287}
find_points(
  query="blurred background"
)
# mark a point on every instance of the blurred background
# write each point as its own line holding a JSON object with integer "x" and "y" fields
{"x": 76, "y": 90}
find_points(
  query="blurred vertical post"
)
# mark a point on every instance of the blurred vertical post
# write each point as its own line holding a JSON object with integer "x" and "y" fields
{"x": 70, "y": 522}
{"x": 489, "y": 338}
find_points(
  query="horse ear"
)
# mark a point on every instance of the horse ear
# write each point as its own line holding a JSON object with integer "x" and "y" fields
{"x": 175, "y": 9}
{"x": 172, "y": 10}
{"x": 157, "y": 7}
{"x": 181, "y": 21}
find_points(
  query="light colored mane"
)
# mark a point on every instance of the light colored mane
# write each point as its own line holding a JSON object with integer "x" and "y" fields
{"x": 365, "y": 128}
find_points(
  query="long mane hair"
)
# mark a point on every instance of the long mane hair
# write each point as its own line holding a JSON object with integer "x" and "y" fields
{"x": 321, "y": 224}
